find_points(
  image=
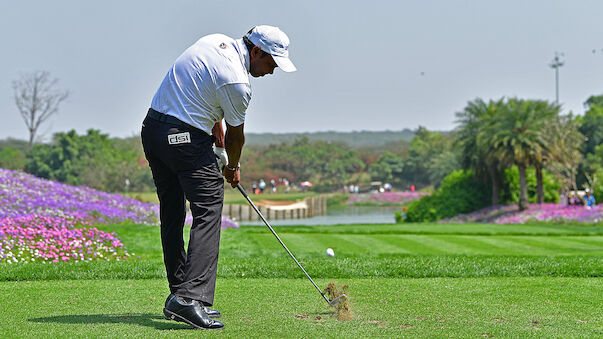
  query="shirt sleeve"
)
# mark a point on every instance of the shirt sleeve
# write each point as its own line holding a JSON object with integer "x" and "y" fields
{"x": 234, "y": 100}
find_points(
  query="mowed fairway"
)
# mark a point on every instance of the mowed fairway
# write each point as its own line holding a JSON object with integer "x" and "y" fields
{"x": 430, "y": 280}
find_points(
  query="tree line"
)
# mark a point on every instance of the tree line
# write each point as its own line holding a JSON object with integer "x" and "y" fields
{"x": 495, "y": 135}
{"x": 494, "y": 139}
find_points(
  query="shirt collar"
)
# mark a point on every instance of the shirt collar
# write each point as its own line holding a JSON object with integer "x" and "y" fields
{"x": 243, "y": 53}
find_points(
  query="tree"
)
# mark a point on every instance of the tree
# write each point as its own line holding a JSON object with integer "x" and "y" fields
{"x": 591, "y": 124}
{"x": 388, "y": 168}
{"x": 549, "y": 113}
{"x": 11, "y": 158}
{"x": 423, "y": 149}
{"x": 473, "y": 154}
{"x": 518, "y": 134}
{"x": 37, "y": 99}
{"x": 91, "y": 159}
{"x": 565, "y": 141}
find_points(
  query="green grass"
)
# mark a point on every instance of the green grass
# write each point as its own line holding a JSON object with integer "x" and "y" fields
{"x": 290, "y": 308}
{"x": 417, "y": 251}
{"x": 425, "y": 280}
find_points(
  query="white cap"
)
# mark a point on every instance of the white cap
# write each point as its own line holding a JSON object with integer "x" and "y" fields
{"x": 275, "y": 42}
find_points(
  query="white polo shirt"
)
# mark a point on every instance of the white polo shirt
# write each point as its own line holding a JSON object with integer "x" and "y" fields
{"x": 207, "y": 83}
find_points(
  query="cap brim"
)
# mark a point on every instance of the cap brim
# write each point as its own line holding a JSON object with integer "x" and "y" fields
{"x": 284, "y": 63}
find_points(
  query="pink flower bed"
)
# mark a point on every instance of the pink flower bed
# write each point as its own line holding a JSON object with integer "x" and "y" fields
{"x": 35, "y": 238}
{"x": 509, "y": 214}
{"x": 554, "y": 213}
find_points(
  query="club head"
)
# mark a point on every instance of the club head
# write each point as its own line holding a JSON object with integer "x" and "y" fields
{"x": 337, "y": 300}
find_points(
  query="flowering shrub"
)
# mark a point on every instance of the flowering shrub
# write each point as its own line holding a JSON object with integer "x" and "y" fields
{"x": 509, "y": 214}
{"x": 38, "y": 220}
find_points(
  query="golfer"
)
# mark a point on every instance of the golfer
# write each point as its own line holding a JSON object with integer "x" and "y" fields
{"x": 207, "y": 83}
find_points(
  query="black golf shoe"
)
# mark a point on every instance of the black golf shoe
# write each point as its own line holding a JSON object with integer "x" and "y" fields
{"x": 190, "y": 312}
{"x": 211, "y": 312}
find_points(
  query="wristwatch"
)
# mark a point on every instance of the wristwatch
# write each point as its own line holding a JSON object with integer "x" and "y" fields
{"x": 233, "y": 169}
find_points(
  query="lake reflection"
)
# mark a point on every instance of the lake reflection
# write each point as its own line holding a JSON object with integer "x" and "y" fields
{"x": 341, "y": 215}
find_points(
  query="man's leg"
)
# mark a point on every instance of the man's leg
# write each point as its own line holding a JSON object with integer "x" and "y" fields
{"x": 204, "y": 188}
{"x": 172, "y": 212}
{"x": 171, "y": 204}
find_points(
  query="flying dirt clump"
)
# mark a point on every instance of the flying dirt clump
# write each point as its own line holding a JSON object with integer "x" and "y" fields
{"x": 344, "y": 312}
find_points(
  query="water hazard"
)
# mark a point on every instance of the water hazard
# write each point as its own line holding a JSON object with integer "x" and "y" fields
{"x": 341, "y": 215}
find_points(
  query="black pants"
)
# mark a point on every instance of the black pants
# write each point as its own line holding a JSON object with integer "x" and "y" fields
{"x": 184, "y": 167}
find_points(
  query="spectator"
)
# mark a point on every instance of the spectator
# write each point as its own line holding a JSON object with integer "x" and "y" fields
{"x": 273, "y": 185}
{"x": 262, "y": 185}
{"x": 589, "y": 198}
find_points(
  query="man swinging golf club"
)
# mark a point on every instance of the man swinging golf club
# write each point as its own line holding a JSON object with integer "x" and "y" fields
{"x": 207, "y": 83}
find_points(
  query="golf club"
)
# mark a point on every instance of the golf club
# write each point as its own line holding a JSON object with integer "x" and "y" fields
{"x": 333, "y": 302}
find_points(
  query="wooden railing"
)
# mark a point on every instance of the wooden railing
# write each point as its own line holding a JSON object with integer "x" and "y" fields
{"x": 309, "y": 207}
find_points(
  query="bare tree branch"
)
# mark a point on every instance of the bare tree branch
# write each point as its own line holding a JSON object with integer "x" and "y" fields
{"x": 37, "y": 99}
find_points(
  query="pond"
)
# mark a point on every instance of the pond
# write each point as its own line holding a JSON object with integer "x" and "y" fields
{"x": 341, "y": 215}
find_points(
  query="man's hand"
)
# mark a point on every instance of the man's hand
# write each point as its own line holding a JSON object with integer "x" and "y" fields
{"x": 232, "y": 177}
{"x": 221, "y": 156}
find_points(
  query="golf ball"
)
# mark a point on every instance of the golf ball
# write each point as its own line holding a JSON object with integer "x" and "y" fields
{"x": 330, "y": 252}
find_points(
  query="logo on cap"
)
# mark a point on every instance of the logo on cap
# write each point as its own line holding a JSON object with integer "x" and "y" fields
{"x": 223, "y": 46}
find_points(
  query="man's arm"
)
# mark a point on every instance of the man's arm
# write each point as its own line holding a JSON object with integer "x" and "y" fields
{"x": 218, "y": 133}
{"x": 233, "y": 142}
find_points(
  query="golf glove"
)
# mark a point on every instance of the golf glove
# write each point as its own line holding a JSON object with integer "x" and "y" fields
{"x": 221, "y": 156}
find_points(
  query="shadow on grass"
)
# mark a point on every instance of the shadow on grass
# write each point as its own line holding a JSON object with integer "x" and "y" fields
{"x": 143, "y": 319}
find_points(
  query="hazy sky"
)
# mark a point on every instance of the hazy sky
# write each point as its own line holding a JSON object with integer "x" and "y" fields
{"x": 370, "y": 65}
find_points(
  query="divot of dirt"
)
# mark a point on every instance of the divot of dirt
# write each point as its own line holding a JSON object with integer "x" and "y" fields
{"x": 319, "y": 318}
{"x": 344, "y": 312}
{"x": 420, "y": 318}
{"x": 499, "y": 319}
{"x": 487, "y": 335}
{"x": 375, "y": 321}
{"x": 301, "y": 316}
{"x": 406, "y": 326}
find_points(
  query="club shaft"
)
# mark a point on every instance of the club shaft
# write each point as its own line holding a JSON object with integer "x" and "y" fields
{"x": 244, "y": 193}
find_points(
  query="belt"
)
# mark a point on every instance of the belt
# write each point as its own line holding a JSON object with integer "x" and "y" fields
{"x": 153, "y": 114}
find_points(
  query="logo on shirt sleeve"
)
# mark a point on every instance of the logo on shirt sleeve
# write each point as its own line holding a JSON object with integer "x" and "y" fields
{"x": 179, "y": 138}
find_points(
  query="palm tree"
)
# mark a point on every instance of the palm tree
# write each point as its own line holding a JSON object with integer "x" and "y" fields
{"x": 541, "y": 156}
{"x": 517, "y": 133}
{"x": 565, "y": 141}
{"x": 474, "y": 154}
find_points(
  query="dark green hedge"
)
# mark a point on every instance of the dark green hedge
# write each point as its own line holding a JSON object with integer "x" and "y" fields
{"x": 460, "y": 192}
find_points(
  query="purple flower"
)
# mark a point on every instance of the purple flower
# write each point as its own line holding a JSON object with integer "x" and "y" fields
{"x": 40, "y": 220}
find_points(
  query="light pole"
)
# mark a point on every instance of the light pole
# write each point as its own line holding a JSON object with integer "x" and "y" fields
{"x": 556, "y": 63}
